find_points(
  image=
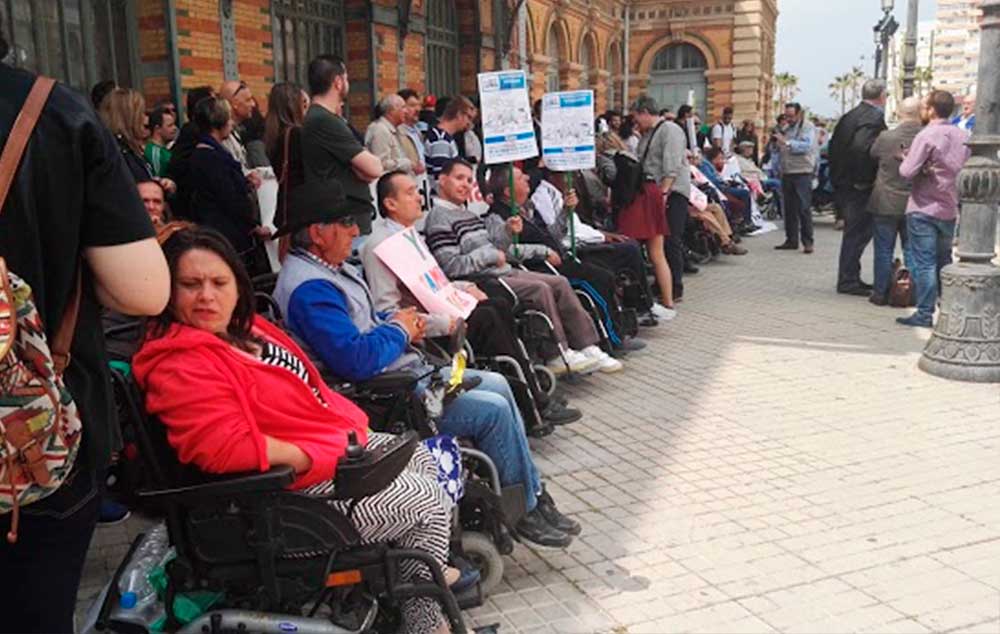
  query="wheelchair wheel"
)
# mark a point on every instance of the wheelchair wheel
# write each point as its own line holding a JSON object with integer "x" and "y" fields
{"x": 546, "y": 379}
{"x": 482, "y": 554}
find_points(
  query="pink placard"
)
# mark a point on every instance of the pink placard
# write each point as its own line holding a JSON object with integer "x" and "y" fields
{"x": 407, "y": 256}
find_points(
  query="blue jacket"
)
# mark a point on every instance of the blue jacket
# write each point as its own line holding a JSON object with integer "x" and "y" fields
{"x": 324, "y": 307}
{"x": 712, "y": 174}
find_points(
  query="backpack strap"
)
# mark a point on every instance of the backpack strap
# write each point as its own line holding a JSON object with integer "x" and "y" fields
{"x": 13, "y": 150}
{"x": 652, "y": 136}
{"x": 21, "y": 133}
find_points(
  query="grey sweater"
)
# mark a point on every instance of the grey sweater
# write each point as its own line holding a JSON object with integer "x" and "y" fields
{"x": 667, "y": 157}
{"x": 465, "y": 244}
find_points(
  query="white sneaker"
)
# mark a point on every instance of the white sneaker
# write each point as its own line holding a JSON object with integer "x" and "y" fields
{"x": 605, "y": 362}
{"x": 577, "y": 361}
{"x": 662, "y": 312}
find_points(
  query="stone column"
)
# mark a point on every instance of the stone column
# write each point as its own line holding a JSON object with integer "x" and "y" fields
{"x": 749, "y": 76}
{"x": 965, "y": 345}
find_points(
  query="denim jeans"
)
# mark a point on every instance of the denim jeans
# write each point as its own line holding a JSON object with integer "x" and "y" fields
{"x": 489, "y": 416}
{"x": 929, "y": 251}
{"x": 885, "y": 230}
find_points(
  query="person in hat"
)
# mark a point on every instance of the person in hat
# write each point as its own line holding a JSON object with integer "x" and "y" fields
{"x": 328, "y": 307}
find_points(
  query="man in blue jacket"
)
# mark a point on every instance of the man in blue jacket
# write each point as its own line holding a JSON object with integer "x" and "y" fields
{"x": 328, "y": 306}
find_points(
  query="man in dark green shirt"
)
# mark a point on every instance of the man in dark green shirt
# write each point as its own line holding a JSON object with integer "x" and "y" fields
{"x": 162, "y": 131}
{"x": 329, "y": 148}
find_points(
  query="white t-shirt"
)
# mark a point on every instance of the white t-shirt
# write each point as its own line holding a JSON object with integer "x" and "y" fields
{"x": 727, "y": 136}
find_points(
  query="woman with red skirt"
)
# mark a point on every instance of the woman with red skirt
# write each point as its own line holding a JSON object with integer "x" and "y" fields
{"x": 644, "y": 219}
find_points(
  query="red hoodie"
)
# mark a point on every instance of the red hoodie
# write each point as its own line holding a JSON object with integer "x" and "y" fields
{"x": 218, "y": 403}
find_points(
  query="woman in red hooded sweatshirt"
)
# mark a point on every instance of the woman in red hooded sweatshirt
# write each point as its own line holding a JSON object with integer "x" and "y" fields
{"x": 237, "y": 394}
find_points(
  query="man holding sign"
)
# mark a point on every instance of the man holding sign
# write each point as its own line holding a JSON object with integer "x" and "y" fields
{"x": 490, "y": 322}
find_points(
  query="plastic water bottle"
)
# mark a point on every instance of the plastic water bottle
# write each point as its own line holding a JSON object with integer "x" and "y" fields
{"x": 137, "y": 595}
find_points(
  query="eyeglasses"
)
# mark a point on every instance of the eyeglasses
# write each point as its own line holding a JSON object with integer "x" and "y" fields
{"x": 243, "y": 85}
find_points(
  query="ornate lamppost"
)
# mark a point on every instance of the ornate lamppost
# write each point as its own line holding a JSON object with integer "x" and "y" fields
{"x": 965, "y": 345}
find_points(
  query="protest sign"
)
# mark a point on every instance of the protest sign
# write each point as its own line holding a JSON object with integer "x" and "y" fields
{"x": 407, "y": 257}
{"x": 508, "y": 130}
{"x": 568, "y": 130}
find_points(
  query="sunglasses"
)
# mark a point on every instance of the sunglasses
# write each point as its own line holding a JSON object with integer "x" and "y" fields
{"x": 243, "y": 86}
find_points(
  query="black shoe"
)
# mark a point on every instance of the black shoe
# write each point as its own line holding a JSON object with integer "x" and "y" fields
{"x": 866, "y": 286}
{"x": 787, "y": 246}
{"x": 878, "y": 300}
{"x": 541, "y": 430}
{"x": 547, "y": 507}
{"x": 858, "y": 290}
{"x": 558, "y": 414}
{"x": 536, "y": 529}
{"x": 468, "y": 574}
{"x": 689, "y": 268}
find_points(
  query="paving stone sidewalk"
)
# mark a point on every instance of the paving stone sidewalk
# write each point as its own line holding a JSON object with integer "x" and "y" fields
{"x": 773, "y": 461}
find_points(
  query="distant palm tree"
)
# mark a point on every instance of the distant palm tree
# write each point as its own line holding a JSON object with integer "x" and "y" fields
{"x": 787, "y": 86}
{"x": 838, "y": 90}
{"x": 857, "y": 79}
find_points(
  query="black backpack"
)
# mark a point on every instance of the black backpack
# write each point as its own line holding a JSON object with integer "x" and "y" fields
{"x": 628, "y": 175}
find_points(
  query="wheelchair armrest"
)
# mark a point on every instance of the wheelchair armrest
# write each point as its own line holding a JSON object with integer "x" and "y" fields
{"x": 374, "y": 469}
{"x": 276, "y": 479}
{"x": 387, "y": 381}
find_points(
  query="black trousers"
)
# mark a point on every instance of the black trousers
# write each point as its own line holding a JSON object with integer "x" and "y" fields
{"x": 40, "y": 574}
{"x": 857, "y": 234}
{"x": 491, "y": 333}
{"x": 796, "y": 190}
{"x": 677, "y": 215}
{"x": 622, "y": 256}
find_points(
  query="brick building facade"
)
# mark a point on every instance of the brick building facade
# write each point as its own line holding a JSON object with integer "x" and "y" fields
{"x": 712, "y": 52}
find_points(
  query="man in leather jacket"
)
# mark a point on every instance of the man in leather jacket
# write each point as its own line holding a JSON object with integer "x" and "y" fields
{"x": 853, "y": 170}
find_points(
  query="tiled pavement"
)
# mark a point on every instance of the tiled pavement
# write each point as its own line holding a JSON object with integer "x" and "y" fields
{"x": 774, "y": 461}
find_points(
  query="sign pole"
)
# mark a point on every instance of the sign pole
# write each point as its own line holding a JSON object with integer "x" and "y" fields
{"x": 570, "y": 211}
{"x": 514, "y": 212}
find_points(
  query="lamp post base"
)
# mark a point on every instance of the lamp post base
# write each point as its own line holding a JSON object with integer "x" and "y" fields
{"x": 965, "y": 345}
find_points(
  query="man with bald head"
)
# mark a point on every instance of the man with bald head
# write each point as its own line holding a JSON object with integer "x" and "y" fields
{"x": 887, "y": 203}
{"x": 240, "y": 99}
{"x": 382, "y": 136}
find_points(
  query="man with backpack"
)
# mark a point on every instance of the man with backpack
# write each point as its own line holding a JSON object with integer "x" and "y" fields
{"x": 72, "y": 228}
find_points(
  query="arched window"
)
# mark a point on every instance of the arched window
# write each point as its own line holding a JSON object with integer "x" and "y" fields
{"x": 302, "y": 31}
{"x": 677, "y": 77}
{"x": 679, "y": 57}
{"x": 614, "y": 66}
{"x": 553, "y": 52}
{"x": 442, "y": 48}
{"x": 79, "y": 42}
{"x": 587, "y": 61}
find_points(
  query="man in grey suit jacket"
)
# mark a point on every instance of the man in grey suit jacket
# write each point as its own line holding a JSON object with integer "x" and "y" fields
{"x": 888, "y": 200}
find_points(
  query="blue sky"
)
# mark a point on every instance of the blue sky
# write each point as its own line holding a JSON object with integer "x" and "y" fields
{"x": 819, "y": 39}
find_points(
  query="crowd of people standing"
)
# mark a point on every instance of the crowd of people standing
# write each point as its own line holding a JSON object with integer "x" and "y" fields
{"x": 168, "y": 223}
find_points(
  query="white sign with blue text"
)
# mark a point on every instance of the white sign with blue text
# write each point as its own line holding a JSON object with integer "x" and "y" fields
{"x": 568, "y": 130}
{"x": 508, "y": 133}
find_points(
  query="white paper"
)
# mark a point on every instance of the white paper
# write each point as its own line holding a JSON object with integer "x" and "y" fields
{"x": 568, "y": 130}
{"x": 508, "y": 130}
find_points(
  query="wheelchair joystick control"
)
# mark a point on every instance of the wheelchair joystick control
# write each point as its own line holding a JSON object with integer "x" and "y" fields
{"x": 355, "y": 452}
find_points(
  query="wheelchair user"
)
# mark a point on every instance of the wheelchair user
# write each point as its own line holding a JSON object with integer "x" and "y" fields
{"x": 491, "y": 326}
{"x": 327, "y": 305}
{"x": 235, "y": 394}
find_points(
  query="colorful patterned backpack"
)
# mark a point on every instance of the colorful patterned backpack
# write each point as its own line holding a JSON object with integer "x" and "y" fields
{"x": 39, "y": 424}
